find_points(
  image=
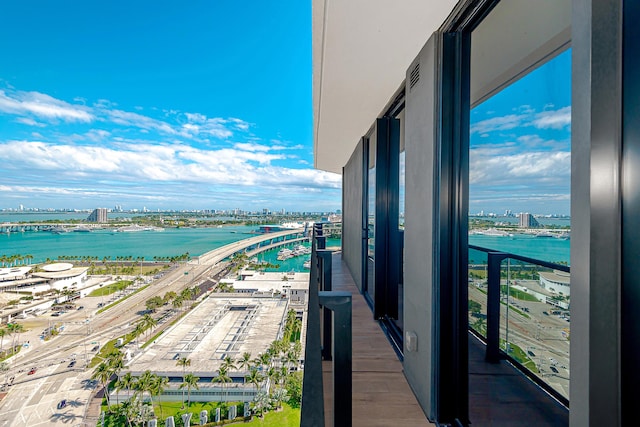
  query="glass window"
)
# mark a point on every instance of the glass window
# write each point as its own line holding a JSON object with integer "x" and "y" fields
{"x": 371, "y": 215}
{"x": 519, "y": 195}
{"x": 399, "y": 322}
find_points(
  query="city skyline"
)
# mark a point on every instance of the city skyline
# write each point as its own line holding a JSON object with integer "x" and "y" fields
{"x": 179, "y": 107}
{"x": 165, "y": 106}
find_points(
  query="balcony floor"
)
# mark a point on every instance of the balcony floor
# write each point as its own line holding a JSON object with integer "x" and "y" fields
{"x": 381, "y": 395}
{"x": 499, "y": 395}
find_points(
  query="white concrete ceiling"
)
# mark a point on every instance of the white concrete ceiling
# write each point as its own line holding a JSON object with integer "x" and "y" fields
{"x": 361, "y": 50}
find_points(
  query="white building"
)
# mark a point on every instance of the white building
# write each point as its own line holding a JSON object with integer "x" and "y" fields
{"x": 556, "y": 282}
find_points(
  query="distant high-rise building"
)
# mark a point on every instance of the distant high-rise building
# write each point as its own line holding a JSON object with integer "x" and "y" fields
{"x": 528, "y": 221}
{"x": 98, "y": 215}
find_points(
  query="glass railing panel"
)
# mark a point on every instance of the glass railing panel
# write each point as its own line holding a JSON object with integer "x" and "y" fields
{"x": 535, "y": 320}
{"x": 478, "y": 291}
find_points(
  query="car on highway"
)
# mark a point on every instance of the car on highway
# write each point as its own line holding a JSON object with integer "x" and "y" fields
{"x": 531, "y": 353}
{"x": 71, "y": 364}
{"x": 95, "y": 348}
{"x": 553, "y": 368}
{"x": 32, "y": 371}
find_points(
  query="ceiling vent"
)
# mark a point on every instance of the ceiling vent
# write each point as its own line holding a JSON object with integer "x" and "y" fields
{"x": 414, "y": 76}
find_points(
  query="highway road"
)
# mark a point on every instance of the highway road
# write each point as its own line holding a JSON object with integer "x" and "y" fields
{"x": 541, "y": 334}
{"x": 32, "y": 399}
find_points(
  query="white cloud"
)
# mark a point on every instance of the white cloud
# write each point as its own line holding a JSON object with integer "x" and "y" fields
{"x": 553, "y": 119}
{"x": 526, "y": 117}
{"x": 29, "y": 121}
{"x": 253, "y": 147}
{"x": 528, "y": 169}
{"x": 43, "y": 106}
{"x": 152, "y": 163}
{"x": 31, "y": 105}
{"x": 510, "y": 121}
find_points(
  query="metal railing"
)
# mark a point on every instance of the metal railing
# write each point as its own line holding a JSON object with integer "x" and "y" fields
{"x": 527, "y": 314}
{"x": 328, "y": 338}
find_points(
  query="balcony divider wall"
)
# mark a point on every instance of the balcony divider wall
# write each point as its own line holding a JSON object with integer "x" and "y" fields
{"x": 353, "y": 229}
{"x": 421, "y": 333}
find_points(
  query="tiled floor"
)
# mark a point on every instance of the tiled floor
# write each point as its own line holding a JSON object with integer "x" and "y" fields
{"x": 498, "y": 394}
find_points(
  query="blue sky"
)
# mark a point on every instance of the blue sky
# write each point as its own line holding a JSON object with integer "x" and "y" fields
{"x": 520, "y": 144}
{"x": 163, "y": 104}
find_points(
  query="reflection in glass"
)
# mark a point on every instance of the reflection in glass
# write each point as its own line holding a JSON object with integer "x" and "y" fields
{"x": 371, "y": 216}
{"x": 519, "y": 192}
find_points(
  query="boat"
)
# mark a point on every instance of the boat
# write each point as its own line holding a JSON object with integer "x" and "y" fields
{"x": 307, "y": 264}
{"x": 494, "y": 232}
{"x": 59, "y": 230}
{"x": 135, "y": 228}
{"x": 544, "y": 234}
{"x": 291, "y": 225}
{"x": 284, "y": 254}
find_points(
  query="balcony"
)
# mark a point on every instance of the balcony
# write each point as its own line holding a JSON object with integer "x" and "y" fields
{"x": 500, "y": 393}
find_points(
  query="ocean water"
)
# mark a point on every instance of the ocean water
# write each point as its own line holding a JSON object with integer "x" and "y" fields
{"x": 546, "y": 249}
{"x": 104, "y": 243}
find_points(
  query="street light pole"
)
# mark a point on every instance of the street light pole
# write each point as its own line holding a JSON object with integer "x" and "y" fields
{"x": 508, "y": 297}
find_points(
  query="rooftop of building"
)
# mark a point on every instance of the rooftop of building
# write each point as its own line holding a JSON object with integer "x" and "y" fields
{"x": 556, "y": 276}
{"x": 221, "y": 325}
{"x": 72, "y": 272}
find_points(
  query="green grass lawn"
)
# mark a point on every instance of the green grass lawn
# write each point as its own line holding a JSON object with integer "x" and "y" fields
{"x": 109, "y": 289}
{"x": 288, "y": 417}
{"x": 516, "y": 293}
{"x": 517, "y": 353}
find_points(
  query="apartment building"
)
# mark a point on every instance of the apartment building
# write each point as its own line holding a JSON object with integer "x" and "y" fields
{"x": 395, "y": 88}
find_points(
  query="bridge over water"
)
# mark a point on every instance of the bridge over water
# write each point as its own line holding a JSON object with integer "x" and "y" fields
{"x": 251, "y": 246}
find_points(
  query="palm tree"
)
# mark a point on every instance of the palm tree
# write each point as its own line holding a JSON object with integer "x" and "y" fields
{"x": 245, "y": 361}
{"x": 149, "y": 322}
{"x": 158, "y": 386}
{"x": 284, "y": 373}
{"x": 222, "y": 378}
{"x": 177, "y": 302}
{"x": 102, "y": 373}
{"x": 128, "y": 410}
{"x": 186, "y": 294}
{"x": 14, "y": 329}
{"x": 272, "y": 374}
{"x": 228, "y": 363}
{"x": 138, "y": 330}
{"x": 115, "y": 362}
{"x": 145, "y": 383}
{"x": 254, "y": 378}
{"x": 126, "y": 382}
{"x": 184, "y": 362}
{"x": 3, "y": 332}
{"x": 263, "y": 360}
{"x": 190, "y": 381}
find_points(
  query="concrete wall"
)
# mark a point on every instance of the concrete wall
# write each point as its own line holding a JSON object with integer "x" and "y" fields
{"x": 419, "y": 235}
{"x": 352, "y": 193}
